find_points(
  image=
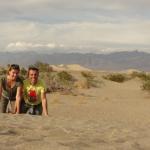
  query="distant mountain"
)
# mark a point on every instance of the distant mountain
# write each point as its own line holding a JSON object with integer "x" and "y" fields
{"x": 112, "y": 61}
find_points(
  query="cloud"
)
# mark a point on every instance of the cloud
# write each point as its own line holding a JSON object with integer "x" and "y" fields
{"x": 21, "y": 46}
{"x": 83, "y": 36}
{"x": 70, "y": 25}
{"x": 55, "y": 11}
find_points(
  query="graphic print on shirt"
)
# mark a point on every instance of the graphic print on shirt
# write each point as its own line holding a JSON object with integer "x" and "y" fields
{"x": 32, "y": 95}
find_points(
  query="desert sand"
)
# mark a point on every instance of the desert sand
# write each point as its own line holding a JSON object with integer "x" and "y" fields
{"x": 71, "y": 67}
{"x": 115, "y": 116}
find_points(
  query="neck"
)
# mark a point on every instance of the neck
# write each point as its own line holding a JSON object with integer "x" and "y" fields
{"x": 33, "y": 83}
{"x": 9, "y": 78}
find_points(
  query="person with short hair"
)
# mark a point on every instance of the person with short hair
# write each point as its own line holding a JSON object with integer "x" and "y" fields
{"x": 34, "y": 91}
{"x": 11, "y": 90}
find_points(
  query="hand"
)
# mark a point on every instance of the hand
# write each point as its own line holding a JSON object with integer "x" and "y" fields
{"x": 45, "y": 114}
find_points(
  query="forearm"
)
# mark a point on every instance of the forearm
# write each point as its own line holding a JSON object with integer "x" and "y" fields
{"x": 44, "y": 106}
{"x": 18, "y": 99}
{"x": 17, "y": 104}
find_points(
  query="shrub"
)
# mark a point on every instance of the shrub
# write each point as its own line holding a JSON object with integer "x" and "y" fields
{"x": 3, "y": 71}
{"x": 146, "y": 85}
{"x": 59, "y": 81}
{"x": 91, "y": 80}
{"x": 88, "y": 75}
{"x": 64, "y": 76}
{"x": 146, "y": 82}
{"x": 82, "y": 84}
{"x": 43, "y": 67}
{"x": 117, "y": 77}
{"x": 23, "y": 71}
{"x": 141, "y": 75}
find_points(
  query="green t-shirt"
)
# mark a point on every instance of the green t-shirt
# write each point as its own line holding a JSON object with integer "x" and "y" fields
{"x": 32, "y": 93}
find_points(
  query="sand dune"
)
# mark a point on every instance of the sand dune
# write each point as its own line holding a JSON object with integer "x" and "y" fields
{"x": 71, "y": 67}
{"x": 112, "y": 117}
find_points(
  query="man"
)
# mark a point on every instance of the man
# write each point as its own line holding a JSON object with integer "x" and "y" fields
{"x": 35, "y": 101}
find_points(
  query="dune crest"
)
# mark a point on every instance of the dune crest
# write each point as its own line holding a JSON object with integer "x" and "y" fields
{"x": 71, "y": 67}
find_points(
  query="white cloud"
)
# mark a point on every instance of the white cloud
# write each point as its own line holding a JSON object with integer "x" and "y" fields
{"x": 70, "y": 25}
{"x": 24, "y": 35}
{"x": 30, "y": 46}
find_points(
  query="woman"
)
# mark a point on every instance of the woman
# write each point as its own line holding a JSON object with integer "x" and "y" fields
{"x": 11, "y": 90}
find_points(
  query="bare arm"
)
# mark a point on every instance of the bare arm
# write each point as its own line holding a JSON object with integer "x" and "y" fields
{"x": 44, "y": 103}
{"x": 18, "y": 99}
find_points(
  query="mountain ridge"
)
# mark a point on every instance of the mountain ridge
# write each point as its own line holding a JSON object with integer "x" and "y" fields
{"x": 112, "y": 61}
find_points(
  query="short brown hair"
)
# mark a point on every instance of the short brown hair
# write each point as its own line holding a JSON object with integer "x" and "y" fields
{"x": 32, "y": 68}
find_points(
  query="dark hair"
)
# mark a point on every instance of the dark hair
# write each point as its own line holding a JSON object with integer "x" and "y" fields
{"x": 14, "y": 66}
{"x": 33, "y": 68}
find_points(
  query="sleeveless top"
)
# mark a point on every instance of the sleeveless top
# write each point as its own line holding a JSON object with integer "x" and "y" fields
{"x": 7, "y": 92}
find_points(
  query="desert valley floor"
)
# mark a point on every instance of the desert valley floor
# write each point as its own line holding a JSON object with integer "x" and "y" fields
{"x": 115, "y": 116}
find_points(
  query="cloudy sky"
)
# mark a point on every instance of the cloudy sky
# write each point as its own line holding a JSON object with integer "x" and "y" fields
{"x": 74, "y": 25}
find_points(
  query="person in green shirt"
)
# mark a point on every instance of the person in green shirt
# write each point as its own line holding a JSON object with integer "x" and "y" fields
{"x": 11, "y": 90}
{"x": 34, "y": 93}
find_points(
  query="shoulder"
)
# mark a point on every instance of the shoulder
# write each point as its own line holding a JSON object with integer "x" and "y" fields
{"x": 41, "y": 83}
{"x": 26, "y": 82}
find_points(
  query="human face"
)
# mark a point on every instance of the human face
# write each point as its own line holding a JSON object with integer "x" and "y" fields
{"x": 13, "y": 74}
{"x": 33, "y": 76}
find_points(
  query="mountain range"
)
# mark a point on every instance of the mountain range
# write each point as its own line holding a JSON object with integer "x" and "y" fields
{"x": 112, "y": 61}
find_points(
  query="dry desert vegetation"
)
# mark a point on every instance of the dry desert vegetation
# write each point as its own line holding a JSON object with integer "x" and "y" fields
{"x": 88, "y": 110}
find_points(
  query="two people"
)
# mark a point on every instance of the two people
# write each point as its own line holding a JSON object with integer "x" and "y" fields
{"x": 28, "y": 96}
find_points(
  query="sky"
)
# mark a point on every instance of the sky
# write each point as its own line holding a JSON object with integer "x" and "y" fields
{"x": 97, "y": 26}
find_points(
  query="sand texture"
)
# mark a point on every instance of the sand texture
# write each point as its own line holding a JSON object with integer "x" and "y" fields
{"x": 115, "y": 116}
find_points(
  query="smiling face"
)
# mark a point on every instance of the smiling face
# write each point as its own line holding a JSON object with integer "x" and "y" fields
{"x": 13, "y": 74}
{"x": 33, "y": 76}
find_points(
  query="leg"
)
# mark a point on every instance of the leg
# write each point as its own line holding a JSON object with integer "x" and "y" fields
{"x": 4, "y": 104}
{"x": 26, "y": 108}
{"x": 12, "y": 106}
{"x": 31, "y": 110}
{"x": 38, "y": 109}
{"x": 23, "y": 107}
